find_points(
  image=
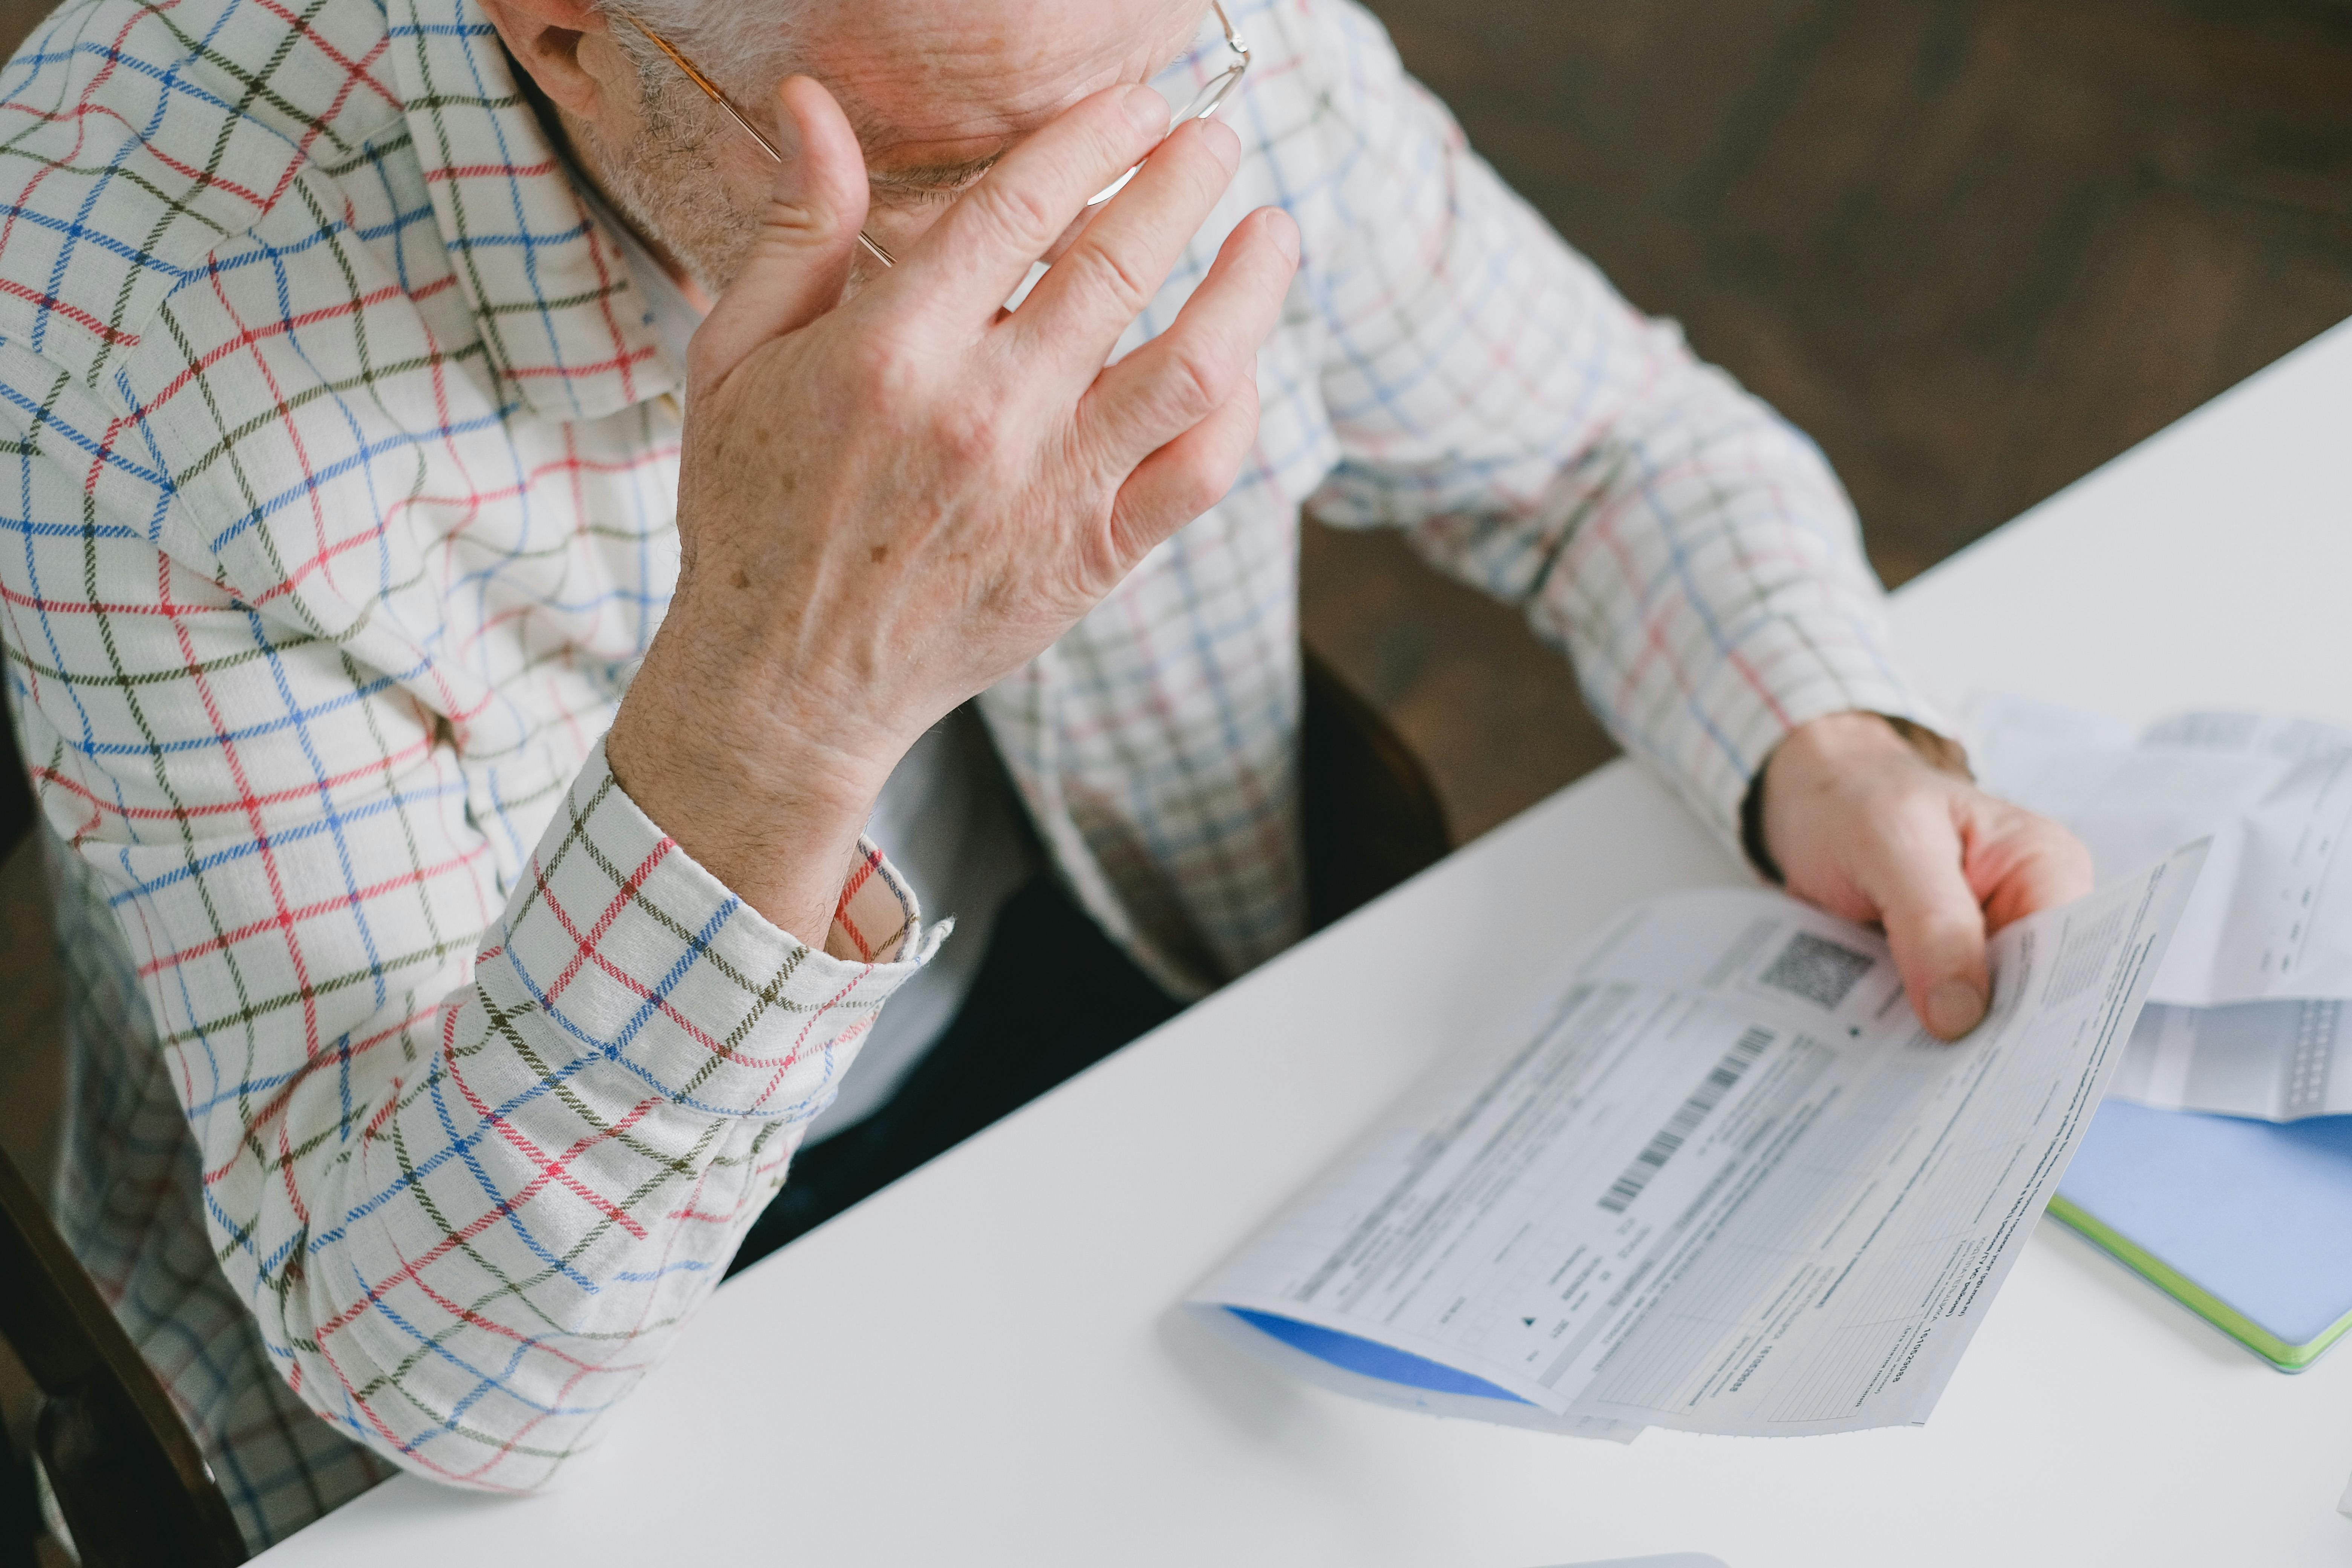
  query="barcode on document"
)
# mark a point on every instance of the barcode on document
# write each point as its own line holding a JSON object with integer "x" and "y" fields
{"x": 1685, "y": 1119}
{"x": 1819, "y": 970}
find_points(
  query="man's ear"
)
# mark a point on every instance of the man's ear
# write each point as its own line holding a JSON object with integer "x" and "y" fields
{"x": 546, "y": 38}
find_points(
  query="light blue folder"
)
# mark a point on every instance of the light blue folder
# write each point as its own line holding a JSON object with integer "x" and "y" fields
{"x": 2248, "y": 1223}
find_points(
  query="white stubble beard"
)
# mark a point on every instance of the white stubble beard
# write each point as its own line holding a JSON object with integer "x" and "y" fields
{"x": 666, "y": 183}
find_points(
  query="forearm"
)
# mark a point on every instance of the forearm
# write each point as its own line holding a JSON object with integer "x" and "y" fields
{"x": 483, "y": 1299}
{"x": 1701, "y": 568}
{"x": 469, "y": 1225}
{"x": 1714, "y": 598}
{"x": 1552, "y": 445}
{"x": 771, "y": 807}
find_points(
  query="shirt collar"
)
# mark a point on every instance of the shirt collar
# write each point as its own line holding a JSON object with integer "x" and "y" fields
{"x": 560, "y": 316}
{"x": 667, "y": 313}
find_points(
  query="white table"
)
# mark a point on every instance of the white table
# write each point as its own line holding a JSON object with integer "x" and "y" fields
{"x": 1003, "y": 1380}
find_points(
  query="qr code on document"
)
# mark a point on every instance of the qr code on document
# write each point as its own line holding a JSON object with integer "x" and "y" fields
{"x": 1821, "y": 971}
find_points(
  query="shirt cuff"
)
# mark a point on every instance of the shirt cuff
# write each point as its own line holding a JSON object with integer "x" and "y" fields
{"x": 630, "y": 951}
{"x": 1764, "y": 697}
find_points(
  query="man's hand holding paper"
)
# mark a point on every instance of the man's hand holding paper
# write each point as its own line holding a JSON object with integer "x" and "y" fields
{"x": 1714, "y": 1177}
{"x": 1877, "y": 826}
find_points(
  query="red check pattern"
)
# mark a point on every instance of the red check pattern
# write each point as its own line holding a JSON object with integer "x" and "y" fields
{"x": 423, "y": 1087}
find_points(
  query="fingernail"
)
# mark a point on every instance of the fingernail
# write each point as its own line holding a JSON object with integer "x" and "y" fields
{"x": 1285, "y": 235}
{"x": 788, "y": 126}
{"x": 1147, "y": 110}
{"x": 1954, "y": 1008}
{"x": 1224, "y": 142}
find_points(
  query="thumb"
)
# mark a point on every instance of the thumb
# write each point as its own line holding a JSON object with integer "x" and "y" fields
{"x": 799, "y": 262}
{"x": 1938, "y": 933}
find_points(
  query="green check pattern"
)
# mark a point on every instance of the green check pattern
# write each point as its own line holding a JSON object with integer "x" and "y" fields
{"x": 423, "y": 1087}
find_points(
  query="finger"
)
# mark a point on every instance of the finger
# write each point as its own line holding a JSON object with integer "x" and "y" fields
{"x": 1932, "y": 919}
{"x": 1185, "y": 477}
{"x": 800, "y": 261}
{"x": 1173, "y": 383}
{"x": 983, "y": 245}
{"x": 2028, "y": 863}
{"x": 1119, "y": 261}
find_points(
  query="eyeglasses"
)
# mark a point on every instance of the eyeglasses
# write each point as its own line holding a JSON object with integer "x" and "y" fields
{"x": 1204, "y": 103}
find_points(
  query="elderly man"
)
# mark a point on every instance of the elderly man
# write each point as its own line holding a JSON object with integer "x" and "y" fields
{"x": 504, "y": 568}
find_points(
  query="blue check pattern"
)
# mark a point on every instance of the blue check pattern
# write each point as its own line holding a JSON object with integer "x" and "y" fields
{"x": 423, "y": 1087}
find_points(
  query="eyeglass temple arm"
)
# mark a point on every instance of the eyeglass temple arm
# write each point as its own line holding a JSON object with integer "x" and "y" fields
{"x": 1233, "y": 35}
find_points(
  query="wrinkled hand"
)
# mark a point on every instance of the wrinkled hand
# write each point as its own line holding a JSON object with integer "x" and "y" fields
{"x": 887, "y": 504}
{"x": 1863, "y": 825}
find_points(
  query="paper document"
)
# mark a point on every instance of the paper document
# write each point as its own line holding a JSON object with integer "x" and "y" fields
{"x": 1714, "y": 1177}
{"x": 2279, "y": 1061}
{"x": 2270, "y": 919}
{"x": 2245, "y": 1020}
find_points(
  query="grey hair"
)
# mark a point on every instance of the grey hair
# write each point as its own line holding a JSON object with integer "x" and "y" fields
{"x": 745, "y": 46}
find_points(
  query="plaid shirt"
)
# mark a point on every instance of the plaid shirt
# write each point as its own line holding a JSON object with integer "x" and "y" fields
{"x": 422, "y": 1086}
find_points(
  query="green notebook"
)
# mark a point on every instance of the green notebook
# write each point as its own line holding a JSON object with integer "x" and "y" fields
{"x": 2249, "y": 1223}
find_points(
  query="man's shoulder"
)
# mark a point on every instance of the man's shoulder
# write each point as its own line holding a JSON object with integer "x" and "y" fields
{"x": 1328, "y": 102}
{"x": 140, "y": 137}
{"x": 1316, "y": 48}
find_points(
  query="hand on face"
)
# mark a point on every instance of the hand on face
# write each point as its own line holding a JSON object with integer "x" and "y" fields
{"x": 1863, "y": 825}
{"x": 887, "y": 504}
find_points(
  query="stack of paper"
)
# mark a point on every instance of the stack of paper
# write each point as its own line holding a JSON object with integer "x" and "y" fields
{"x": 2229, "y": 1184}
{"x": 2246, "y": 1015}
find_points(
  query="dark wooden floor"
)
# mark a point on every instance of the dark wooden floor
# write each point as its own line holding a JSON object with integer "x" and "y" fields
{"x": 1976, "y": 248}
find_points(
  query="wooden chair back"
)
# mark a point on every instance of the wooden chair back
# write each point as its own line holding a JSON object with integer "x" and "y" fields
{"x": 132, "y": 1485}
{"x": 1369, "y": 813}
